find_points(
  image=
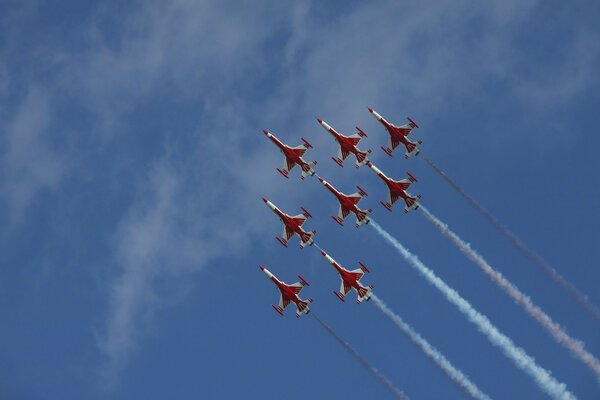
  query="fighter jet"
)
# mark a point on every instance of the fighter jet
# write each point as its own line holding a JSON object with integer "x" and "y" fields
{"x": 292, "y": 225}
{"x": 350, "y": 280}
{"x": 397, "y": 189}
{"x": 349, "y": 204}
{"x": 293, "y": 156}
{"x": 347, "y": 145}
{"x": 289, "y": 293}
{"x": 398, "y": 134}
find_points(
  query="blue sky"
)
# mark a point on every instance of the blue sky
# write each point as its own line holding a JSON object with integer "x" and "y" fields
{"x": 132, "y": 166}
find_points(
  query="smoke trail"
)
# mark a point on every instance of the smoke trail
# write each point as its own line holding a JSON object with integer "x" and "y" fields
{"x": 381, "y": 377}
{"x": 555, "y": 330}
{"x": 521, "y": 359}
{"x": 434, "y": 355}
{"x": 581, "y": 298}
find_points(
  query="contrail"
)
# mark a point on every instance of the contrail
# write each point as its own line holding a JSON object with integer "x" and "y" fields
{"x": 581, "y": 298}
{"x": 434, "y": 355}
{"x": 555, "y": 330}
{"x": 522, "y": 360}
{"x": 381, "y": 377}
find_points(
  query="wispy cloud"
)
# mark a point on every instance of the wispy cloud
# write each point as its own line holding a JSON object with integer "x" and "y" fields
{"x": 30, "y": 163}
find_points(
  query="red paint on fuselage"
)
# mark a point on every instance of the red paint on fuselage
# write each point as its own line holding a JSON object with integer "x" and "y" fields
{"x": 397, "y": 133}
{"x": 344, "y": 200}
{"x": 287, "y": 292}
{"x": 290, "y": 153}
{"x": 347, "y": 277}
{"x": 345, "y": 143}
{"x": 395, "y": 187}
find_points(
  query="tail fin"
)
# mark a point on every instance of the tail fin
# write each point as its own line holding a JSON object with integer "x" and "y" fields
{"x": 361, "y": 156}
{"x": 303, "y": 307}
{"x": 411, "y": 203}
{"x": 363, "y": 293}
{"x": 411, "y": 148}
{"x": 306, "y": 238}
{"x": 307, "y": 169}
{"x": 362, "y": 217}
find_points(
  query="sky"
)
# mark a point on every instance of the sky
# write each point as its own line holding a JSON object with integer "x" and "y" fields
{"x": 132, "y": 166}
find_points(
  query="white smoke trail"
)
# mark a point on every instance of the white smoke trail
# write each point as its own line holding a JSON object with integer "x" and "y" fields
{"x": 522, "y": 360}
{"x": 438, "y": 358}
{"x": 555, "y": 330}
{"x": 519, "y": 244}
{"x": 381, "y": 377}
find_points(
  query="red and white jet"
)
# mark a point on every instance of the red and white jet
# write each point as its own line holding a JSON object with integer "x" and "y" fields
{"x": 350, "y": 280}
{"x": 293, "y": 156}
{"x": 398, "y": 134}
{"x": 349, "y": 204}
{"x": 398, "y": 189}
{"x": 289, "y": 293}
{"x": 292, "y": 225}
{"x": 347, "y": 145}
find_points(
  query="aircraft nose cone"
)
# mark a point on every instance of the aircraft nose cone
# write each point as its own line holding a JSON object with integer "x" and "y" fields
{"x": 265, "y": 132}
{"x": 370, "y": 110}
{"x": 321, "y": 180}
{"x": 320, "y": 120}
{"x": 323, "y": 253}
{"x": 261, "y": 267}
{"x": 265, "y": 200}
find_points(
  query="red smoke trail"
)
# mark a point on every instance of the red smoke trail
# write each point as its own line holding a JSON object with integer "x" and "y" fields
{"x": 381, "y": 377}
{"x": 581, "y": 298}
{"x": 555, "y": 330}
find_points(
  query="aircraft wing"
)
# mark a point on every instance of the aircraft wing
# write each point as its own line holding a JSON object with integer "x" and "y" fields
{"x": 300, "y": 150}
{"x": 287, "y": 233}
{"x": 357, "y": 273}
{"x": 300, "y": 219}
{"x": 404, "y": 183}
{"x": 288, "y": 164}
{"x": 343, "y": 212}
{"x": 345, "y": 288}
{"x": 296, "y": 287}
{"x": 355, "y": 197}
{"x": 283, "y": 303}
{"x": 394, "y": 142}
{"x": 355, "y": 138}
{"x": 342, "y": 153}
{"x": 392, "y": 197}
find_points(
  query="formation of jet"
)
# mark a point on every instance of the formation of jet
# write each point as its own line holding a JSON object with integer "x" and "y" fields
{"x": 397, "y": 189}
{"x": 289, "y": 294}
{"x": 292, "y": 225}
{"x": 398, "y": 134}
{"x": 293, "y": 156}
{"x": 347, "y": 145}
{"x": 349, "y": 204}
{"x": 350, "y": 280}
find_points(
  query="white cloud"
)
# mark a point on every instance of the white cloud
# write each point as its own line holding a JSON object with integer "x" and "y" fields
{"x": 30, "y": 163}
